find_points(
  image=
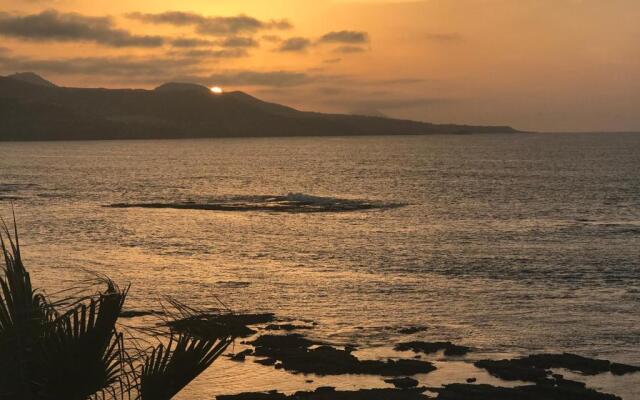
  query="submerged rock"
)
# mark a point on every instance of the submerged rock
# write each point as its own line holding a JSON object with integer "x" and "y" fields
{"x": 290, "y": 203}
{"x": 286, "y": 327}
{"x": 449, "y": 348}
{"x": 412, "y": 329}
{"x": 403, "y": 383}
{"x": 296, "y": 354}
{"x": 328, "y": 393}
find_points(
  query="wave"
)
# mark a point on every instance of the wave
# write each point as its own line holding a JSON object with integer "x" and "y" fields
{"x": 289, "y": 203}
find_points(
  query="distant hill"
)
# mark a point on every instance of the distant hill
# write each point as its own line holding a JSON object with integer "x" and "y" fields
{"x": 32, "y": 108}
{"x": 33, "y": 78}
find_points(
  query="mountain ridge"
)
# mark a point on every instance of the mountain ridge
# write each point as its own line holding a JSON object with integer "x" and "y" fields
{"x": 32, "y": 110}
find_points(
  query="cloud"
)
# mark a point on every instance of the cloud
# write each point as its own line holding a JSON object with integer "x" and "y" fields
{"x": 52, "y": 25}
{"x": 122, "y": 67}
{"x": 295, "y": 44}
{"x": 238, "y": 41}
{"x": 349, "y": 49}
{"x": 255, "y": 78}
{"x": 272, "y": 38}
{"x": 214, "y": 26}
{"x": 205, "y": 54}
{"x": 350, "y": 37}
{"x": 191, "y": 42}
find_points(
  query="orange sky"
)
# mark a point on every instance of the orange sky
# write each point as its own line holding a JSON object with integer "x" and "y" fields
{"x": 552, "y": 65}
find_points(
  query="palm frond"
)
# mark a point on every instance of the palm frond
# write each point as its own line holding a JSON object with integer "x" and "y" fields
{"x": 82, "y": 351}
{"x": 170, "y": 368}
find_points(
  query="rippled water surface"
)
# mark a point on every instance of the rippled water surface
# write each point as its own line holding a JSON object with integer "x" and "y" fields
{"x": 507, "y": 243}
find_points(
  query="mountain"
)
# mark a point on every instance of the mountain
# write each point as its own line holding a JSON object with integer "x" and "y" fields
{"x": 33, "y": 78}
{"x": 31, "y": 108}
{"x": 181, "y": 87}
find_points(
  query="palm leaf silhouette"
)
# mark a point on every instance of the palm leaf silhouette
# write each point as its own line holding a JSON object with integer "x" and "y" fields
{"x": 79, "y": 353}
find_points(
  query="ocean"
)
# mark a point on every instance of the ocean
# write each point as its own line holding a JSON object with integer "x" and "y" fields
{"x": 511, "y": 244}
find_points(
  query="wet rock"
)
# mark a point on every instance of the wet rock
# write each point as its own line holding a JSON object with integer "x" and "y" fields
{"x": 412, "y": 329}
{"x": 296, "y": 354}
{"x": 286, "y": 327}
{"x": 241, "y": 355}
{"x": 512, "y": 370}
{"x": 623, "y": 369}
{"x": 350, "y": 348}
{"x": 273, "y": 395}
{"x": 537, "y": 367}
{"x": 273, "y": 343}
{"x": 266, "y": 361}
{"x": 220, "y": 325}
{"x": 555, "y": 391}
{"x": 449, "y": 348}
{"x": 328, "y": 393}
{"x": 403, "y": 383}
{"x": 291, "y": 203}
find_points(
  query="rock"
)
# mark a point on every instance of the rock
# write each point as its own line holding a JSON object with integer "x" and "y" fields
{"x": 403, "y": 383}
{"x": 537, "y": 367}
{"x": 241, "y": 355}
{"x": 296, "y": 354}
{"x": 412, "y": 329}
{"x": 471, "y": 380}
{"x": 622, "y": 369}
{"x": 219, "y": 325}
{"x": 271, "y": 343}
{"x": 449, "y": 348}
{"x": 286, "y": 327}
{"x": 350, "y": 348}
{"x": 329, "y": 393}
{"x": 266, "y": 361}
{"x": 556, "y": 391}
{"x": 512, "y": 370}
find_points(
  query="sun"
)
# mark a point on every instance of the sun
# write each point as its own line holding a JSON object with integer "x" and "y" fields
{"x": 216, "y": 90}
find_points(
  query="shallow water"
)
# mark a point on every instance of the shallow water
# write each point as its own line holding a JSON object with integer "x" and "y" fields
{"x": 507, "y": 243}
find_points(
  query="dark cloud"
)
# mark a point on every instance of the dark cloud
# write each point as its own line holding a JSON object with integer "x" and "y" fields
{"x": 238, "y": 42}
{"x": 205, "y": 54}
{"x": 255, "y": 78}
{"x": 349, "y": 49}
{"x": 295, "y": 44}
{"x": 191, "y": 42}
{"x": 178, "y": 18}
{"x": 121, "y": 67}
{"x": 215, "y": 26}
{"x": 272, "y": 38}
{"x": 351, "y": 37}
{"x": 52, "y": 25}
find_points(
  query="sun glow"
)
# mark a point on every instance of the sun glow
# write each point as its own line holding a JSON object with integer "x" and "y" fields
{"x": 216, "y": 90}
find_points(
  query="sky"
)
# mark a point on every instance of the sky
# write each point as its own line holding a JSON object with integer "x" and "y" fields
{"x": 543, "y": 65}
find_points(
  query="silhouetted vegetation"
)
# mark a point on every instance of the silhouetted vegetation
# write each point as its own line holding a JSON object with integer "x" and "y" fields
{"x": 74, "y": 349}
